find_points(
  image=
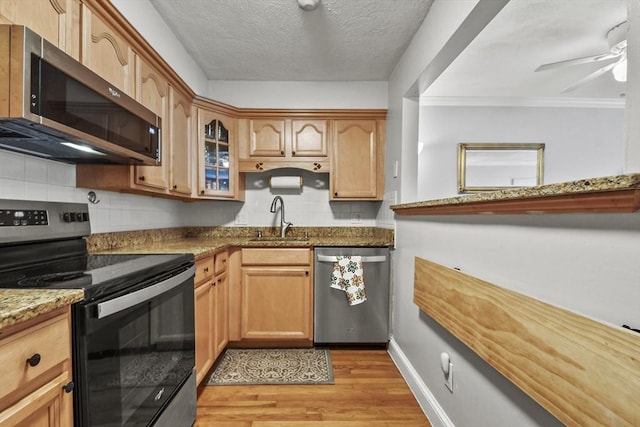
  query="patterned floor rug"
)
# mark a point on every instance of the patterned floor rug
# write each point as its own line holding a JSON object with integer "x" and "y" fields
{"x": 273, "y": 366}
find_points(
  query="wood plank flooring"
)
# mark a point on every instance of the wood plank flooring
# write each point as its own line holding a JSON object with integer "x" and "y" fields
{"x": 368, "y": 392}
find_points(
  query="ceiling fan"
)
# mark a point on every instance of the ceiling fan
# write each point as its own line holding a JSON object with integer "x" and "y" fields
{"x": 617, "y": 38}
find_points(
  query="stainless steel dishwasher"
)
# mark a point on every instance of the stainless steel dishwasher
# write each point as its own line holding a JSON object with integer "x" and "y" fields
{"x": 337, "y": 322}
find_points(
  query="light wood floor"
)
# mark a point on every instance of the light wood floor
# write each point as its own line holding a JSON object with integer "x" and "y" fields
{"x": 368, "y": 392}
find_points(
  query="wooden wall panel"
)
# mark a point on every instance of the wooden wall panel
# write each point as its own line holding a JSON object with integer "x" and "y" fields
{"x": 584, "y": 372}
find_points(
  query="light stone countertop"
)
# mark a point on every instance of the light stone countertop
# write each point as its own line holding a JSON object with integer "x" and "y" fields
{"x": 202, "y": 241}
{"x": 18, "y": 305}
{"x": 584, "y": 186}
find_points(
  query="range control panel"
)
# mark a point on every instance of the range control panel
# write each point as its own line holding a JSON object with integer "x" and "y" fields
{"x": 14, "y": 218}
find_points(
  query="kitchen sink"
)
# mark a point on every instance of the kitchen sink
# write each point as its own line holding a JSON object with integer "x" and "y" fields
{"x": 280, "y": 239}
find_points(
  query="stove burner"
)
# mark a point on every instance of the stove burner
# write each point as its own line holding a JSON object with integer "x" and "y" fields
{"x": 48, "y": 279}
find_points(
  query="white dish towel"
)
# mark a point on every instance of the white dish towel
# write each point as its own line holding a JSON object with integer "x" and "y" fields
{"x": 348, "y": 276}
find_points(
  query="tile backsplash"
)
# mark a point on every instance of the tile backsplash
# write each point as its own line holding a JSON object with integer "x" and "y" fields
{"x": 31, "y": 178}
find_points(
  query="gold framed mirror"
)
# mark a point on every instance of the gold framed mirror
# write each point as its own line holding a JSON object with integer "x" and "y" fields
{"x": 496, "y": 166}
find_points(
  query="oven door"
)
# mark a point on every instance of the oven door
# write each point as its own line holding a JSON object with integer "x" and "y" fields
{"x": 133, "y": 353}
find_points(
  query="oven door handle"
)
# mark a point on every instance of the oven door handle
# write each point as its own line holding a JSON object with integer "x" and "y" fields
{"x": 124, "y": 302}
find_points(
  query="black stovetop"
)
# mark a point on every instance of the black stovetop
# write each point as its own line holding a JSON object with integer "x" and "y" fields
{"x": 56, "y": 265}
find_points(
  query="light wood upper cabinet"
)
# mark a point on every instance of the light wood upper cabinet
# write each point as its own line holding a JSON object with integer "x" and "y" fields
{"x": 357, "y": 160}
{"x": 272, "y": 143}
{"x": 217, "y": 153}
{"x": 152, "y": 90}
{"x": 180, "y": 118}
{"x": 107, "y": 53}
{"x": 267, "y": 138}
{"x": 309, "y": 138}
{"x": 58, "y": 21}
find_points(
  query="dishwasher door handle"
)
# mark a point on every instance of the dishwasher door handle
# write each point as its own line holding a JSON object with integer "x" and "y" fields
{"x": 334, "y": 258}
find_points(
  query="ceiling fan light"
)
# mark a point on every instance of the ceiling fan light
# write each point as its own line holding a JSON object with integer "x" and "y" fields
{"x": 620, "y": 71}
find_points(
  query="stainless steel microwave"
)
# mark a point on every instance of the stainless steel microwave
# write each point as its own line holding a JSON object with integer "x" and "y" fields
{"x": 54, "y": 107}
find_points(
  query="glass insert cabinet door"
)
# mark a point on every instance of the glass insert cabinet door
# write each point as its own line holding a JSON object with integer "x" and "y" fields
{"x": 216, "y": 158}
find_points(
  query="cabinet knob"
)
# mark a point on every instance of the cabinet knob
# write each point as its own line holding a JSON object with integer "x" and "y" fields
{"x": 335, "y": 194}
{"x": 68, "y": 388}
{"x": 293, "y": 153}
{"x": 34, "y": 360}
{"x": 282, "y": 152}
{"x": 141, "y": 178}
{"x": 175, "y": 186}
{"x": 206, "y": 269}
{"x": 306, "y": 273}
{"x": 201, "y": 191}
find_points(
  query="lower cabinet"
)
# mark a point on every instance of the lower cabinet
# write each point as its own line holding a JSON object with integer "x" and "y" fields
{"x": 211, "y": 311}
{"x": 277, "y": 295}
{"x": 35, "y": 367}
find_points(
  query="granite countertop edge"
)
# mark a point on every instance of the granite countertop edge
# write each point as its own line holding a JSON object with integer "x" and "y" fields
{"x": 19, "y": 305}
{"x": 584, "y": 186}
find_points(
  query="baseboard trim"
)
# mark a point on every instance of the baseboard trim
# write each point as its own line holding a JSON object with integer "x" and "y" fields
{"x": 427, "y": 401}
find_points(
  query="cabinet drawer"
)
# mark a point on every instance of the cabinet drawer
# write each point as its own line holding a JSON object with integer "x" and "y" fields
{"x": 220, "y": 262}
{"x": 49, "y": 341}
{"x": 287, "y": 256}
{"x": 204, "y": 269}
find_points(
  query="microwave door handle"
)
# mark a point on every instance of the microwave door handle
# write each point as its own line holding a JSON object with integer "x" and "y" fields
{"x": 365, "y": 259}
{"x": 124, "y": 302}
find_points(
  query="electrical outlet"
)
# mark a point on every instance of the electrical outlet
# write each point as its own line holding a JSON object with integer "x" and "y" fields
{"x": 242, "y": 219}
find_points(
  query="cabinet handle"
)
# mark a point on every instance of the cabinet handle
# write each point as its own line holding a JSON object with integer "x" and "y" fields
{"x": 141, "y": 178}
{"x": 206, "y": 269}
{"x": 282, "y": 152}
{"x": 306, "y": 273}
{"x": 175, "y": 186}
{"x": 34, "y": 360}
{"x": 68, "y": 388}
{"x": 293, "y": 153}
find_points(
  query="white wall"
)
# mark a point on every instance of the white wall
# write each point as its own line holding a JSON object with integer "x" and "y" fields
{"x": 305, "y": 95}
{"x": 579, "y": 142}
{"x": 146, "y": 19}
{"x": 586, "y": 263}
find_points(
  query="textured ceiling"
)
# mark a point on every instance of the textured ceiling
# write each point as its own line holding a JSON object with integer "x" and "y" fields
{"x": 501, "y": 61}
{"x": 342, "y": 40}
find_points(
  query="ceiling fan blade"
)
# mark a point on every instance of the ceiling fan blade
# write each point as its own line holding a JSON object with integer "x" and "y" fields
{"x": 578, "y": 61}
{"x": 590, "y": 77}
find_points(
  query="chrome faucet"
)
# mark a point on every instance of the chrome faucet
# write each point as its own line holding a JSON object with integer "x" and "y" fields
{"x": 284, "y": 225}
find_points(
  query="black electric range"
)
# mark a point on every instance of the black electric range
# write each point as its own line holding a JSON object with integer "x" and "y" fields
{"x": 133, "y": 333}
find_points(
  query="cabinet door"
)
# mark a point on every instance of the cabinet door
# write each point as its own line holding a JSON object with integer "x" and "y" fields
{"x": 276, "y": 303}
{"x": 217, "y": 155}
{"x": 58, "y": 21}
{"x": 152, "y": 90}
{"x": 267, "y": 138}
{"x": 203, "y": 329}
{"x": 180, "y": 143}
{"x": 48, "y": 406}
{"x": 221, "y": 315}
{"x": 356, "y": 160}
{"x": 309, "y": 138}
{"x": 107, "y": 53}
